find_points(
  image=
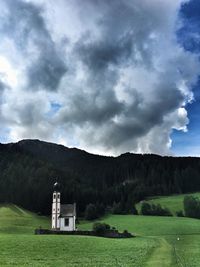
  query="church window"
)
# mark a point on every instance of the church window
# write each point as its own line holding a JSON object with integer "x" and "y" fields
{"x": 66, "y": 221}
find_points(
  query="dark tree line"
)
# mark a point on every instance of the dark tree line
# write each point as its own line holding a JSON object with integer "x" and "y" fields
{"x": 192, "y": 207}
{"x": 154, "y": 210}
{"x": 29, "y": 168}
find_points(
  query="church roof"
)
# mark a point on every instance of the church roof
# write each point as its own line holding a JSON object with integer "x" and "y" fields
{"x": 68, "y": 210}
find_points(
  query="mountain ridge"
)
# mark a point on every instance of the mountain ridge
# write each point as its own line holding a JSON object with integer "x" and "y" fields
{"x": 29, "y": 168}
{"x": 26, "y": 141}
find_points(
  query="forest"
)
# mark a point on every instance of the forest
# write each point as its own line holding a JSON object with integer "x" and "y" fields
{"x": 29, "y": 168}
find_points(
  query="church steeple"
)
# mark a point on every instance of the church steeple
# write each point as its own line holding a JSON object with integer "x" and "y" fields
{"x": 56, "y": 207}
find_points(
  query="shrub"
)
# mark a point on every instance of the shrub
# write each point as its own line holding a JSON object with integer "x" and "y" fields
{"x": 120, "y": 208}
{"x": 101, "y": 228}
{"x": 154, "y": 209}
{"x": 180, "y": 213}
{"x": 192, "y": 206}
{"x": 146, "y": 208}
{"x": 126, "y": 234}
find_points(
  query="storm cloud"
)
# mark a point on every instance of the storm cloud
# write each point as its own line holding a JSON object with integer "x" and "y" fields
{"x": 114, "y": 70}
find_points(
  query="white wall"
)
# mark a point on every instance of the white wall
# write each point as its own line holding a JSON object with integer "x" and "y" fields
{"x": 71, "y": 226}
{"x": 56, "y": 210}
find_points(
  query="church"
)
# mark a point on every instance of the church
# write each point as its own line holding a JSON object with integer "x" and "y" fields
{"x": 63, "y": 215}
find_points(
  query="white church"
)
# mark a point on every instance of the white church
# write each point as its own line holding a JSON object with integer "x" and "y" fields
{"x": 63, "y": 216}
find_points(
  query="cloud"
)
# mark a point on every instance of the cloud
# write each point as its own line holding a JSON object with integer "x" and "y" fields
{"x": 2, "y": 86}
{"x": 115, "y": 68}
{"x": 23, "y": 23}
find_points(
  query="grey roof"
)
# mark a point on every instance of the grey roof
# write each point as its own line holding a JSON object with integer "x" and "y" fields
{"x": 68, "y": 210}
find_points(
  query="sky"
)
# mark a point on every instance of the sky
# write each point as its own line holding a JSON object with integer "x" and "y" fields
{"x": 106, "y": 76}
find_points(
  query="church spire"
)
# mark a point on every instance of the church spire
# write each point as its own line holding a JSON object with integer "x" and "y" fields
{"x": 56, "y": 207}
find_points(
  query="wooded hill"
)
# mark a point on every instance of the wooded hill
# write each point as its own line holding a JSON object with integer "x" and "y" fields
{"x": 29, "y": 168}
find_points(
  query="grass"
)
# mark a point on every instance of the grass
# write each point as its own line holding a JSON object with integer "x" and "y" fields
{"x": 162, "y": 254}
{"x": 26, "y": 250}
{"x": 176, "y": 240}
{"x": 173, "y": 203}
{"x": 150, "y": 225}
{"x": 187, "y": 249}
{"x": 20, "y": 247}
{"x": 156, "y": 243}
{"x": 14, "y": 220}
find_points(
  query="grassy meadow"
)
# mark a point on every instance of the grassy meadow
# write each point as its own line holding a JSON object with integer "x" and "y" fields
{"x": 159, "y": 242}
{"x": 27, "y": 250}
{"x": 176, "y": 240}
{"x": 14, "y": 220}
{"x": 173, "y": 203}
{"x": 20, "y": 247}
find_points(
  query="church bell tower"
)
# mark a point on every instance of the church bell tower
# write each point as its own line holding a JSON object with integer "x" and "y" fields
{"x": 56, "y": 208}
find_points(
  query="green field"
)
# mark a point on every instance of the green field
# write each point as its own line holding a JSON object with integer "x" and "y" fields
{"x": 20, "y": 247}
{"x": 173, "y": 203}
{"x": 156, "y": 244}
{"x": 14, "y": 220}
{"x": 177, "y": 239}
{"x": 151, "y": 225}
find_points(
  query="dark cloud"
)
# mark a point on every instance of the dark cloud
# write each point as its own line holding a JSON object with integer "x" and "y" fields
{"x": 139, "y": 117}
{"x": 24, "y": 24}
{"x": 47, "y": 71}
{"x": 2, "y": 86}
{"x": 98, "y": 55}
{"x": 95, "y": 109}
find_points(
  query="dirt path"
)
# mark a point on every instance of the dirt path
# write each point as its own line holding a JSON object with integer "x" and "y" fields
{"x": 162, "y": 255}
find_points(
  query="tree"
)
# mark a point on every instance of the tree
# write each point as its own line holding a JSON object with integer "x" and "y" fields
{"x": 117, "y": 208}
{"x": 179, "y": 213}
{"x": 91, "y": 212}
{"x": 154, "y": 209}
{"x": 146, "y": 208}
{"x": 192, "y": 206}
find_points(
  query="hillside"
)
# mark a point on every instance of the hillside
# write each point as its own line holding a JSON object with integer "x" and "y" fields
{"x": 150, "y": 225}
{"x": 160, "y": 241}
{"x": 15, "y": 220}
{"x": 174, "y": 203}
{"x": 173, "y": 241}
{"x": 30, "y": 167}
{"x": 20, "y": 247}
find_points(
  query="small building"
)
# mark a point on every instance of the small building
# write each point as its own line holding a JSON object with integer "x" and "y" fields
{"x": 68, "y": 217}
{"x": 63, "y": 216}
